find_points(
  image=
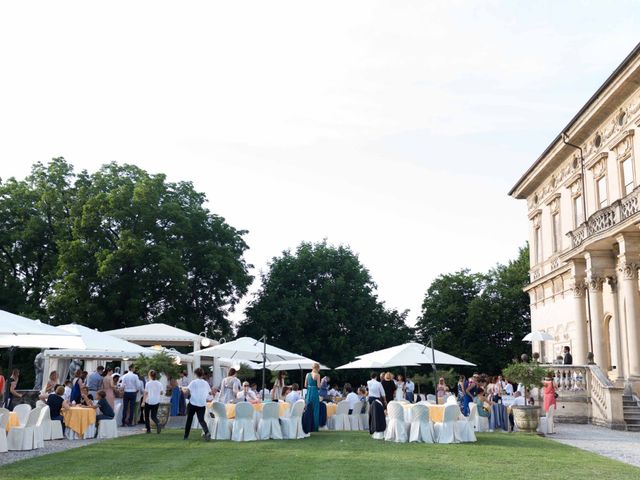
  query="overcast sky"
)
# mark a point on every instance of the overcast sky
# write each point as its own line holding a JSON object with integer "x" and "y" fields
{"x": 394, "y": 127}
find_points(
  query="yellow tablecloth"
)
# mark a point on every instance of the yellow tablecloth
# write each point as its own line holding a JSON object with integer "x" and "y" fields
{"x": 436, "y": 412}
{"x": 14, "y": 421}
{"x": 257, "y": 407}
{"x": 78, "y": 419}
{"x": 331, "y": 409}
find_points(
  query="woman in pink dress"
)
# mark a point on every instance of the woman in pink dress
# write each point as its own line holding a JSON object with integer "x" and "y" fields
{"x": 549, "y": 391}
{"x": 107, "y": 386}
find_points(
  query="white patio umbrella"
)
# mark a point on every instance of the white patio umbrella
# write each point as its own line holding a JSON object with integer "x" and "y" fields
{"x": 405, "y": 355}
{"x": 301, "y": 363}
{"x": 247, "y": 348}
{"x": 17, "y": 331}
{"x": 537, "y": 336}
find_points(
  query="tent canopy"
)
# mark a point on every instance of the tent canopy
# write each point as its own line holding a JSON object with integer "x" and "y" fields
{"x": 157, "y": 333}
{"x": 407, "y": 354}
{"x": 98, "y": 345}
{"x": 17, "y": 331}
{"x": 247, "y": 348}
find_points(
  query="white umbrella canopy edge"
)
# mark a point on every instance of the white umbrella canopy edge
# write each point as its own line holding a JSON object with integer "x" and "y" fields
{"x": 247, "y": 348}
{"x": 18, "y": 331}
{"x": 410, "y": 353}
{"x": 538, "y": 336}
{"x": 296, "y": 364}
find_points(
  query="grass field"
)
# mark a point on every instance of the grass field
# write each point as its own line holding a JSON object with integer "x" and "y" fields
{"x": 326, "y": 455}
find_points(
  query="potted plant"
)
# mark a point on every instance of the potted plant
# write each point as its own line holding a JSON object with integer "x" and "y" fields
{"x": 163, "y": 364}
{"x": 530, "y": 375}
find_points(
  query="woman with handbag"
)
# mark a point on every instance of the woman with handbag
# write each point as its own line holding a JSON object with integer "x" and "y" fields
{"x": 549, "y": 391}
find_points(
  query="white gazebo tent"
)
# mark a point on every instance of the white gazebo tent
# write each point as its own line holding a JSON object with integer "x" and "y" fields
{"x": 17, "y": 331}
{"x": 99, "y": 348}
{"x": 161, "y": 334}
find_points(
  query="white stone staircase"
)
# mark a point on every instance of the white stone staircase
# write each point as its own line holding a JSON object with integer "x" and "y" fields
{"x": 631, "y": 411}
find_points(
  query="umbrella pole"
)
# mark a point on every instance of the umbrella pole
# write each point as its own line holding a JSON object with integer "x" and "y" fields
{"x": 433, "y": 367}
{"x": 264, "y": 363}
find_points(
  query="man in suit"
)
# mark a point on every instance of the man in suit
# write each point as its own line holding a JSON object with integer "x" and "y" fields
{"x": 567, "y": 359}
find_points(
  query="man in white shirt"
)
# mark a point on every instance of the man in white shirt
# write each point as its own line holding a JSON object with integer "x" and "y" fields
{"x": 376, "y": 392}
{"x": 334, "y": 392}
{"x": 294, "y": 395}
{"x": 198, "y": 390}
{"x": 247, "y": 395}
{"x": 409, "y": 389}
{"x": 519, "y": 401}
{"x": 352, "y": 397}
{"x": 130, "y": 386}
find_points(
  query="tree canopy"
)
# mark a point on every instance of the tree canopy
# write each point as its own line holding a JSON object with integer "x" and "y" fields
{"x": 479, "y": 317}
{"x": 116, "y": 248}
{"x": 320, "y": 301}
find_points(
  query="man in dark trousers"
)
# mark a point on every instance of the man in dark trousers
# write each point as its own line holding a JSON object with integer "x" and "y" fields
{"x": 568, "y": 359}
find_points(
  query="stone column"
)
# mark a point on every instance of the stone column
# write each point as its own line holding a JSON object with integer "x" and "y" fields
{"x": 596, "y": 311}
{"x": 617, "y": 336}
{"x": 628, "y": 263}
{"x": 579, "y": 347}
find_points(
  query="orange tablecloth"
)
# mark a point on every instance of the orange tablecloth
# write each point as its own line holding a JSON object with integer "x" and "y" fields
{"x": 78, "y": 419}
{"x": 331, "y": 409}
{"x": 14, "y": 421}
{"x": 257, "y": 407}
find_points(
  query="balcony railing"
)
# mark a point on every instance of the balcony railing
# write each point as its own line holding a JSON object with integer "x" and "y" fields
{"x": 606, "y": 218}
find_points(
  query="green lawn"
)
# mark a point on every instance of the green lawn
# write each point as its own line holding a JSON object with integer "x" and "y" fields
{"x": 326, "y": 455}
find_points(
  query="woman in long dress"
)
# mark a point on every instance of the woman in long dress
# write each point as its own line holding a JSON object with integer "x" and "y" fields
{"x": 400, "y": 388}
{"x": 107, "y": 386}
{"x": 230, "y": 387}
{"x": 278, "y": 386}
{"x": 311, "y": 382}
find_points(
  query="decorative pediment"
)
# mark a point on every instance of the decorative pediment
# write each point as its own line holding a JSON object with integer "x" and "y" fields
{"x": 554, "y": 203}
{"x": 624, "y": 147}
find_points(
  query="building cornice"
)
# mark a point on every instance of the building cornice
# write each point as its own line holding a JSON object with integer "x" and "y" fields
{"x": 624, "y": 80}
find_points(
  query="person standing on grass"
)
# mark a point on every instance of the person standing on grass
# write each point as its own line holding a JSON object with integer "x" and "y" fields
{"x": 151, "y": 401}
{"x": 311, "y": 382}
{"x": 197, "y": 390}
{"x": 130, "y": 386}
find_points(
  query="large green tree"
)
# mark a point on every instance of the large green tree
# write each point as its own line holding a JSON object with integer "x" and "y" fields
{"x": 34, "y": 219}
{"x": 320, "y": 301}
{"x": 115, "y": 248}
{"x": 480, "y": 317}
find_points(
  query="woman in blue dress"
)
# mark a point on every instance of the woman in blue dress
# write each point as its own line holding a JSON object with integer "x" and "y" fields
{"x": 311, "y": 383}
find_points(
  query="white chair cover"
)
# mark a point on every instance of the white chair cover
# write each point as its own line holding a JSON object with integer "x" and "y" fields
{"x": 445, "y": 430}
{"x": 422, "y": 397}
{"x": 397, "y": 429}
{"x": 421, "y": 428}
{"x": 269, "y": 426}
{"x": 431, "y": 398}
{"x": 40, "y": 403}
{"x": 219, "y": 425}
{"x": 4, "y": 410}
{"x": 364, "y": 417}
{"x": 292, "y": 425}
{"x": 354, "y": 417}
{"x": 21, "y": 438}
{"x": 479, "y": 423}
{"x": 4, "y": 418}
{"x": 464, "y": 426}
{"x": 40, "y": 430}
{"x": 109, "y": 428}
{"x": 56, "y": 430}
{"x": 243, "y": 426}
{"x": 340, "y": 421}
{"x": 546, "y": 424}
{"x": 451, "y": 400}
{"x": 23, "y": 411}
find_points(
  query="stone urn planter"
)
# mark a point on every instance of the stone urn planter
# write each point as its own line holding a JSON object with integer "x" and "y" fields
{"x": 526, "y": 418}
{"x": 164, "y": 410}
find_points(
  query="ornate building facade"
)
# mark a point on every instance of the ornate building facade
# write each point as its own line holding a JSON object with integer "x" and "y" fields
{"x": 583, "y": 199}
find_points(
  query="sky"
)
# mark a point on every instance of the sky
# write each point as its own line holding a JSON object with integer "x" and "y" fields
{"x": 396, "y": 128}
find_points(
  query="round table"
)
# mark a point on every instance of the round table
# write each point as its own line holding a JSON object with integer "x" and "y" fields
{"x": 257, "y": 409}
{"x": 81, "y": 421}
{"x": 436, "y": 412}
{"x": 14, "y": 421}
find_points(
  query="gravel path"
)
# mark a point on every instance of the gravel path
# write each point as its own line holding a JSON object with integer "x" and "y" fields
{"x": 615, "y": 444}
{"x": 53, "y": 446}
